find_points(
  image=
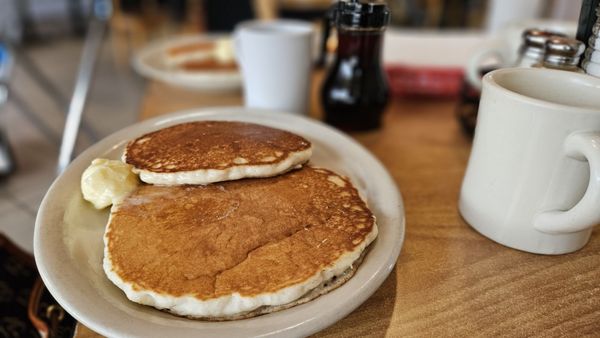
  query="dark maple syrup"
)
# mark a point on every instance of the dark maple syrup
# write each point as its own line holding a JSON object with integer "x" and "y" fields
{"x": 355, "y": 91}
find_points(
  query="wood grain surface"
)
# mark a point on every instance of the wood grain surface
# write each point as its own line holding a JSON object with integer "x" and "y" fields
{"x": 449, "y": 280}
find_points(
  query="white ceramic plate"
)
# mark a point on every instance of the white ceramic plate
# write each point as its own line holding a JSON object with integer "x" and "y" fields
{"x": 68, "y": 240}
{"x": 150, "y": 62}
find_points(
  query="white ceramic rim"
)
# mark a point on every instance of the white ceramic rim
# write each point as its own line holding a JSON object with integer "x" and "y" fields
{"x": 302, "y": 320}
{"x": 489, "y": 79}
{"x": 201, "y": 81}
{"x": 287, "y": 27}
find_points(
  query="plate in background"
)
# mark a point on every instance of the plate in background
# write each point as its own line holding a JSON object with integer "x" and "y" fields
{"x": 150, "y": 62}
{"x": 68, "y": 240}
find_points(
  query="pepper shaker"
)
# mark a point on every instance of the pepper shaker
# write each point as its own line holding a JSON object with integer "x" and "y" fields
{"x": 562, "y": 53}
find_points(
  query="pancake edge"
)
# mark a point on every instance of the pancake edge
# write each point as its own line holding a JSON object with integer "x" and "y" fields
{"x": 234, "y": 304}
{"x": 236, "y": 172}
{"x": 183, "y": 57}
{"x": 324, "y": 288}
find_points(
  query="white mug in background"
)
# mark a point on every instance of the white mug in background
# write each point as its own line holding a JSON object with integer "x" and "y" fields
{"x": 533, "y": 178}
{"x": 275, "y": 58}
{"x": 497, "y": 53}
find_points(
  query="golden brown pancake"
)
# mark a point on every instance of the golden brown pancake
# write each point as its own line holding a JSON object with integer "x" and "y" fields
{"x": 208, "y": 65}
{"x": 203, "y": 63}
{"x": 223, "y": 250}
{"x": 212, "y": 151}
{"x": 324, "y": 288}
{"x": 191, "y": 47}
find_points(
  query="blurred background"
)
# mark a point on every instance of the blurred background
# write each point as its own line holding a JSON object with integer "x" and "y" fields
{"x": 41, "y": 43}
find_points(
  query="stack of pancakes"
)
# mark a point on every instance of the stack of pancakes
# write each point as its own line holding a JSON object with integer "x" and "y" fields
{"x": 231, "y": 223}
{"x": 216, "y": 55}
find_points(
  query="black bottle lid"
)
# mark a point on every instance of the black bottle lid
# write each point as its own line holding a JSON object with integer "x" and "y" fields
{"x": 357, "y": 14}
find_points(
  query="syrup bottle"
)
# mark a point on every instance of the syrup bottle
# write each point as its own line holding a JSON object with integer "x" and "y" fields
{"x": 355, "y": 91}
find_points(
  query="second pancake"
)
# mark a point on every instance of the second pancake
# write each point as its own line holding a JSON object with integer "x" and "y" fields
{"x": 214, "y": 151}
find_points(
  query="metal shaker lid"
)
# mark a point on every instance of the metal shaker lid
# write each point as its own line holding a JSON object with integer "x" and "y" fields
{"x": 534, "y": 42}
{"x": 563, "y": 51}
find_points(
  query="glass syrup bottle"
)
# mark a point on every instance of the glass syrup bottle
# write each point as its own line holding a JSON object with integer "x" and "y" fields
{"x": 355, "y": 91}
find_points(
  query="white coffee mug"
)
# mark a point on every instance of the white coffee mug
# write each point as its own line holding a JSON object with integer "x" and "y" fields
{"x": 276, "y": 60}
{"x": 533, "y": 178}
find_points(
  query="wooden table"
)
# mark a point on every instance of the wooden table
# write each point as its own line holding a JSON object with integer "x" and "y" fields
{"x": 449, "y": 280}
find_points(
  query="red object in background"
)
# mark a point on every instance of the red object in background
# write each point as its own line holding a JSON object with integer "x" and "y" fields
{"x": 430, "y": 82}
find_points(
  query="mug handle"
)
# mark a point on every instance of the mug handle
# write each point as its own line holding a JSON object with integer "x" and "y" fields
{"x": 581, "y": 146}
{"x": 472, "y": 71}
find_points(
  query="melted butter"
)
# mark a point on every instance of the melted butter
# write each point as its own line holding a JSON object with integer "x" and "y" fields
{"x": 223, "y": 51}
{"x": 106, "y": 182}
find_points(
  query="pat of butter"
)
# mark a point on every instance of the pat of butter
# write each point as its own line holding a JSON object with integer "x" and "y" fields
{"x": 223, "y": 51}
{"x": 106, "y": 182}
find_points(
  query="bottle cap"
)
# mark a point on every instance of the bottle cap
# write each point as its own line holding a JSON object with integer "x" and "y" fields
{"x": 357, "y": 14}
